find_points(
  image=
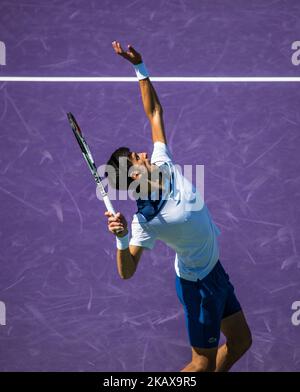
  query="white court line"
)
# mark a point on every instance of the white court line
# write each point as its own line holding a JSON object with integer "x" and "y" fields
{"x": 204, "y": 79}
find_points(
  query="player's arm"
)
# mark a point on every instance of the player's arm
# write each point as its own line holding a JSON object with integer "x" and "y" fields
{"x": 127, "y": 259}
{"x": 152, "y": 106}
{"x": 153, "y": 110}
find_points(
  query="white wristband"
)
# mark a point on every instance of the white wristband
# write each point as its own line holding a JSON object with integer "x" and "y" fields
{"x": 122, "y": 242}
{"x": 141, "y": 71}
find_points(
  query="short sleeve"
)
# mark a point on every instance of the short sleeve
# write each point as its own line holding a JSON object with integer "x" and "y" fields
{"x": 161, "y": 154}
{"x": 141, "y": 235}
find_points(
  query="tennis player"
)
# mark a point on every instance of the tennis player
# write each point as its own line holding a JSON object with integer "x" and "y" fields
{"x": 174, "y": 213}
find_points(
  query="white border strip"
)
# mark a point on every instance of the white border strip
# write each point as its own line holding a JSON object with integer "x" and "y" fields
{"x": 204, "y": 79}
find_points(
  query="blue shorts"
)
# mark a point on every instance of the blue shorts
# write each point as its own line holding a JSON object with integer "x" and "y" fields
{"x": 206, "y": 302}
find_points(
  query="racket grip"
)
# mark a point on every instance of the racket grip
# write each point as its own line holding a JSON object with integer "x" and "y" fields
{"x": 110, "y": 208}
{"x": 108, "y": 205}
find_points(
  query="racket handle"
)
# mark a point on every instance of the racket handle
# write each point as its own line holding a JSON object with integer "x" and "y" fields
{"x": 108, "y": 205}
{"x": 110, "y": 208}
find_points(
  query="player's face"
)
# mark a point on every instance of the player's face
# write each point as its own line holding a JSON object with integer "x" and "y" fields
{"x": 141, "y": 162}
{"x": 140, "y": 159}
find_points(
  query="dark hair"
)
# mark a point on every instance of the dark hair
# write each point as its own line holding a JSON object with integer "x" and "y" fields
{"x": 117, "y": 169}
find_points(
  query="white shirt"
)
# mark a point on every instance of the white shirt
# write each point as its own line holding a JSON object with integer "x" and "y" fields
{"x": 183, "y": 223}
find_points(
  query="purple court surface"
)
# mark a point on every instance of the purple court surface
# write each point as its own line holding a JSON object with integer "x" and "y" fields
{"x": 66, "y": 308}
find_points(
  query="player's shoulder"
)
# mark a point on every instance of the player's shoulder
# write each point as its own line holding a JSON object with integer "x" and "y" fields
{"x": 161, "y": 146}
{"x": 161, "y": 153}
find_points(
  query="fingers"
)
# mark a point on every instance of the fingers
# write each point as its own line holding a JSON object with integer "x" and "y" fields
{"x": 112, "y": 217}
{"x": 108, "y": 213}
{"x": 115, "y": 227}
{"x": 128, "y": 55}
{"x": 115, "y": 223}
{"x": 117, "y": 47}
{"x": 131, "y": 49}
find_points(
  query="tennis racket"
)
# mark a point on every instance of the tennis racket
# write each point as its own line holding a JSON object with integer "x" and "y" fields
{"x": 90, "y": 161}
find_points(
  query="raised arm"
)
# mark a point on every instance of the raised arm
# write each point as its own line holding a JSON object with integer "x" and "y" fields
{"x": 153, "y": 110}
{"x": 152, "y": 106}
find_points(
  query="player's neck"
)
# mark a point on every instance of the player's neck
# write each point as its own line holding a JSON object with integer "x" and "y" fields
{"x": 155, "y": 184}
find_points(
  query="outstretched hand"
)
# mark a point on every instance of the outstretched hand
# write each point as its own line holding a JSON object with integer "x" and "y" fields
{"x": 131, "y": 55}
